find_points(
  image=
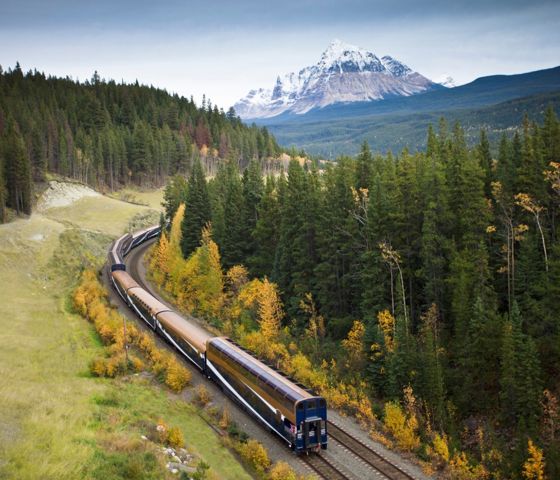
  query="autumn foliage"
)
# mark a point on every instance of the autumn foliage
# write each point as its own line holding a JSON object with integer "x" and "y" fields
{"x": 90, "y": 300}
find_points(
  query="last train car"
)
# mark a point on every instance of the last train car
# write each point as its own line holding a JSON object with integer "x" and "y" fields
{"x": 289, "y": 410}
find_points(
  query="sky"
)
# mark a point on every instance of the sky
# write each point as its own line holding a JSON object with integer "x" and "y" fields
{"x": 224, "y": 48}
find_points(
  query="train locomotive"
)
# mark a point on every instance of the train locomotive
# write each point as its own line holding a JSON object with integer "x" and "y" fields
{"x": 285, "y": 407}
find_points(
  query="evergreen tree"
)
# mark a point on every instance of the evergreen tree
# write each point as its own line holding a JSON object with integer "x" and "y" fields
{"x": 18, "y": 170}
{"x": 197, "y": 213}
{"x": 364, "y": 167}
{"x": 234, "y": 239}
{"x": 265, "y": 233}
{"x": 174, "y": 194}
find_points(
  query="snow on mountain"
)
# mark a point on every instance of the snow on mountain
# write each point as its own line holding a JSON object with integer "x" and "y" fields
{"x": 345, "y": 73}
{"x": 446, "y": 81}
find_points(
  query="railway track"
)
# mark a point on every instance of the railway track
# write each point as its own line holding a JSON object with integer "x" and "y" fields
{"x": 368, "y": 455}
{"x": 323, "y": 467}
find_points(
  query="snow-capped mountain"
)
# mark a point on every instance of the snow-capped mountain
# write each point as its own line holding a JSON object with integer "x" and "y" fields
{"x": 345, "y": 73}
{"x": 446, "y": 81}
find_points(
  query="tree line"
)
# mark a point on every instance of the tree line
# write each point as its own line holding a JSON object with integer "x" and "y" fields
{"x": 440, "y": 269}
{"x": 110, "y": 135}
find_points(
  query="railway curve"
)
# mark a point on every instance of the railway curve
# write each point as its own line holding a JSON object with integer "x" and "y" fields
{"x": 320, "y": 464}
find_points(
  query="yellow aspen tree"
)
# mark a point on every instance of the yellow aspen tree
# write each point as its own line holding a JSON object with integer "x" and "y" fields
{"x": 386, "y": 323}
{"x": 533, "y": 468}
{"x": 316, "y": 329}
{"x": 553, "y": 176}
{"x": 354, "y": 345}
{"x": 270, "y": 311}
{"x": 175, "y": 235}
{"x": 527, "y": 203}
{"x": 160, "y": 261}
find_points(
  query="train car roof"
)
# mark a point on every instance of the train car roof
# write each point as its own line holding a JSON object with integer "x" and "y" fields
{"x": 191, "y": 332}
{"x": 148, "y": 299}
{"x": 145, "y": 231}
{"x": 125, "y": 279}
{"x": 280, "y": 383}
{"x": 117, "y": 243}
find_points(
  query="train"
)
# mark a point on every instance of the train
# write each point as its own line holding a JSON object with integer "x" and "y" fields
{"x": 287, "y": 408}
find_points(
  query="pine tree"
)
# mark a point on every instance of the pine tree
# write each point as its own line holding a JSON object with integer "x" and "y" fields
{"x": 197, "y": 213}
{"x": 363, "y": 167}
{"x": 265, "y": 233}
{"x": 431, "y": 367}
{"x": 18, "y": 170}
{"x": 233, "y": 243}
{"x": 485, "y": 161}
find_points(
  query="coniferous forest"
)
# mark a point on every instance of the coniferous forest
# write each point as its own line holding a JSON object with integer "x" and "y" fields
{"x": 109, "y": 135}
{"x": 423, "y": 288}
{"x": 427, "y": 280}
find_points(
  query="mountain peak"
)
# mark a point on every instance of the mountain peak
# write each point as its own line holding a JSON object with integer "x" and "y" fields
{"x": 344, "y": 73}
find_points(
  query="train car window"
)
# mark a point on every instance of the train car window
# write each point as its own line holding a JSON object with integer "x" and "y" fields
{"x": 322, "y": 403}
{"x": 311, "y": 404}
{"x": 300, "y": 406}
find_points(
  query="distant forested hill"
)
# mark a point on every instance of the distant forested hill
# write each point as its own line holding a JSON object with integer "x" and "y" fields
{"x": 496, "y": 103}
{"x": 108, "y": 134}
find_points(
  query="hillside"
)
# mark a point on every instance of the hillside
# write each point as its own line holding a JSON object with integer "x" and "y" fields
{"x": 57, "y": 421}
{"x": 109, "y": 135}
{"x": 496, "y": 103}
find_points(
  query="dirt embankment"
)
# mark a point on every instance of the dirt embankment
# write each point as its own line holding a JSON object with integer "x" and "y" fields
{"x": 62, "y": 194}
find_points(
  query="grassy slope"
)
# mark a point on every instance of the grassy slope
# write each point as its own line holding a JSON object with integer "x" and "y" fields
{"x": 49, "y": 419}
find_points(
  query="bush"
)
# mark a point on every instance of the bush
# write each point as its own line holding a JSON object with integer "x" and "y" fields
{"x": 224, "y": 421}
{"x": 177, "y": 376}
{"x": 98, "y": 367}
{"x": 202, "y": 395}
{"x": 281, "y": 471}
{"x": 255, "y": 455}
{"x": 201, "y": 472}
{"x": 401, "y": 427}
{"x": 234, "y": 432}
{"x": 175, "y": 438}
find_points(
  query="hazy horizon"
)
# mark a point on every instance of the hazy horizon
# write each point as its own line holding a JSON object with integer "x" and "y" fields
{"x": 225, "y": 49}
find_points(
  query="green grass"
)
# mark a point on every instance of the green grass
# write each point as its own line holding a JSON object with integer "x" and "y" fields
{"x": 103, "y": 214}
{"x": 151, "y": 198}
{"x": 51, "y": 421}
{"x": 136, "y": 402}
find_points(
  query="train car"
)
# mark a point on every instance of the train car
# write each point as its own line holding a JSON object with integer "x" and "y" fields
{"x": 146, "y": 306}
{"x": 295, "y": 414}
{"x": 123, "y": 282}
{"x": 188, "y": 338}
{"x": 288, "y": 409}
{"x": 142, "y": 236}
{"x": 116, "y": 257}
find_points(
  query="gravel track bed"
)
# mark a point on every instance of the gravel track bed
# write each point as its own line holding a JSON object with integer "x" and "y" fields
{"x": 349, "y": 463}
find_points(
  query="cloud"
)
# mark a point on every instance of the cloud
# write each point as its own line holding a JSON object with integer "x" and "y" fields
{"x": 224, "y": 48}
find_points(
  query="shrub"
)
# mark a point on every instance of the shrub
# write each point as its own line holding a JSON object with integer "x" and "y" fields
{"x": 177, "y": 376}
{"x": 255, "y": 455}
{"x": 234, "y": 432}
{"x": 401, "y": 427}
{"x": 224, "y": 421}
{"x": 202, "y": 395}
{"x": 175, "y": 438}
{"x": 98, "y": 367}
{"x": 201, "y": 472}
{"x": 281, "y": 471}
